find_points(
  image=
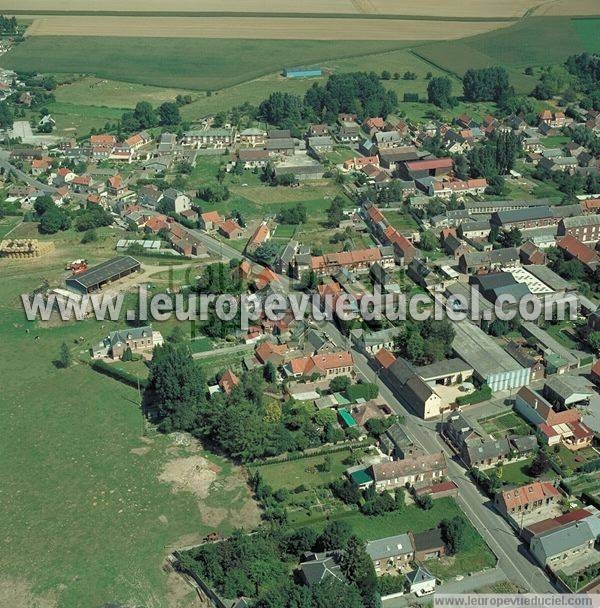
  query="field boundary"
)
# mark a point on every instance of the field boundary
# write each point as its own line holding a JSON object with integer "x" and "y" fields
{"x": 209, "y": 14}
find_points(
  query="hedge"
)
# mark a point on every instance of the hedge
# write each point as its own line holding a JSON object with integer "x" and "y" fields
{"x": 301, "y": 455}
{"x": 118, "y": 374}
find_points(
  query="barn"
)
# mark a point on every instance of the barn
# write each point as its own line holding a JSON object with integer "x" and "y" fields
{"x": 96, "y": 277}
{"x": 302, "y": 72}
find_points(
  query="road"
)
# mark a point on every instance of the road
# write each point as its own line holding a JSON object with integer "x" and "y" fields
{"x": 28, "y": 179}
{"x": 513, "y": 559}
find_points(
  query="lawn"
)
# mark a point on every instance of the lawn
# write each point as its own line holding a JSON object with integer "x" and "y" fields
{"x": 402, "y": 220}
{"x": 218, "y": 362}
{"x": 509, "y": 423}
{"x": 285, "y": 231}
{"x": 571, "y": 460}
{"x": 588, "y": 32}
{"x": 304, "y": 471}
{"x": 201, "y": 345}
{"x": 516, "y": 473}
{"x": 77, "y": 120}
{"x": 555, "y": 141}
{"x": 559, "y": 334}
{"x": 86, "y": 521}
{"x": 190, "y": 63}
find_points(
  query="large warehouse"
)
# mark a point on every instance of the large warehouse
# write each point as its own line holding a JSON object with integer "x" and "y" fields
{"x": 490, "y": 362}
{"x": 96, "y": 277}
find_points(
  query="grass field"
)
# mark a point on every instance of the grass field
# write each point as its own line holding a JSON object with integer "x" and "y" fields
{"x": 588, "y": 32}
{"x": 7, "y": 224}
{"x": 86, "y": 519}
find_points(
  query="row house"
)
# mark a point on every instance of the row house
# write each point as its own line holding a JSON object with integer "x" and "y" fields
{"x": 416, "y": 470}
{"x": 216, "y": 137}
{"x": 448, "y": 188}
{"x": 352, "y": 261}
{"x": 328, "y": 365}
{"x": 585, "y": 228}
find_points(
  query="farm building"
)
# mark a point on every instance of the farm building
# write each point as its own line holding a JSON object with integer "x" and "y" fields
{"x": 302, "y": 72}
{"x": 98, "y": 276}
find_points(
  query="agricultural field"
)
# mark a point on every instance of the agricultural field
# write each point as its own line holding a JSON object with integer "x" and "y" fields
{"x": 588, "y": 32}
{"x": 408, "y": 8}
{"x": 530, "y": 42}
{"x": 93, "y": 499}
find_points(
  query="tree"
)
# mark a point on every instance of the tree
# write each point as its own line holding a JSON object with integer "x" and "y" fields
{"x": 281, "y": 109}
{"x": 6, "y": 116}
{"x": 127, "y": 355}
{"x": 270, "y": 373}
{"x": 213, "y": 193}
{"x": 90, "y": 236}
{"x": 400, "y": 499}
{"x": 511, "y": 238}
{"x": 334, "y": 536}
{"x": 65, "y": 358}
{"x": 267, "y": 252}
{"x": 339, "y": 384}
{"x": 439, "y": 92}
{"x": 330, "y": 592}
{"x": 424, "y": 501}
{"x": 169, "y": 114}
{"x": 540, "y": 464}
{"x": 335, "y": 213}
{"x": 455, "y": 533}
{"x": 485, "y": 84}
{"x": 346, "y": 491}
{"x": 428, "y": 241}
{"x": 594, "y": 341}
{"x": 53, "y": 220}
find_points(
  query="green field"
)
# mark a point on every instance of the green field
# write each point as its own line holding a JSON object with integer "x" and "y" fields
{"x": 200, "y": 64}
{"x": 530, "y": 42}
{"x": 7, "y": 224}
{"x": 588, "y": 32}
{"x": 86, "y": 521}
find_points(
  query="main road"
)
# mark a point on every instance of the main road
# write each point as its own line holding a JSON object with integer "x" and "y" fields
{"x": 513, "y": 559}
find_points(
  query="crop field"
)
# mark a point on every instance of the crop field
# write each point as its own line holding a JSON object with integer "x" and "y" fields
{"x": 176, "y": 63}
{"x": 92, "y": 498}
{"x": 533, "y": 41}
{"x": 273, "y": 28}
{"x": 469, "y": 8}
{"x": 588, "y": 32}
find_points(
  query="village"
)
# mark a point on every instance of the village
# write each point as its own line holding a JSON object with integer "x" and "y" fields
{"x": 418, "y": 438}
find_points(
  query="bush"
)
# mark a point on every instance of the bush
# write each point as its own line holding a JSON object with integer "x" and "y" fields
{"x": 118, "y": 374}
{"x": 365, "y": 391}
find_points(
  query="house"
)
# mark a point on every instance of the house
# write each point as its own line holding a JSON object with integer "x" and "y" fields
{"x": 418, "y": 469}
{"x": 319, "y": 566}
{"x": 280, "y": 146}
{"x": 556, "y": 427}
{"x": 253, "y": 137}
{"x": 328, "y": 365}
{"x": 421, "y": 581}
{"x": 231, "y": 229}
{"x": 428, "y": 544}
{"x": 538, "y": 496}
{"x": 39, "y": 166}
{"x": 373, "y": 124}
{"x": 116, "y": 185}
{"x": 215, "y": 137}
{"x": 566, "y": 544}
{"x": 358, "y": 163}
{"x": 138, "y": 339}
{"x": 585, "y": 228}
{"x": 386, "y": 140}
{"x": 590, "y": 205}
{"x": 484, "y": 261}
{"x": 478, "y": 229}
{"x": 573, "y": 248}
{"x": 357, "y": 260}
{"x": 423, "y": 168}
{"x": 529, "y": 253}
{"x": 211, "y": 220}
{"x": 555, "y": 120}
{"x": 320, "y": 145}
{"x": 252, "y": 159}
{"x": 411, "y": 389}
{"x": 457, "y": 187}
{"x": 565, "y": 391}
{"x": 185, "y": 241}
{"x": 175, "y": 200}
{"x": 149, "y": 195}
{"x": 228, "y": 381}
{"x": 348, "y": 131}
{"x": 595, "y": 373}
{"x": 268, "y": 351}
{"x": 390, "y": 555}
{"x": 261, "y": 235}
{"x": 529, "y": 217}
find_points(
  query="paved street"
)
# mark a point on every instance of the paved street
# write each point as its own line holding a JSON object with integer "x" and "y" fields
{"x": 514, "y": 560}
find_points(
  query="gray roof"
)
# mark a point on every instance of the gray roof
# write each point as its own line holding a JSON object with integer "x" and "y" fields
{"x": 549, "y": 277}
{"x": 496, "y": 256}
{"x": 389, "y": 547}
{"x": 522, "y": 215}
{"x": 565, "y": 538}
{"x": 481, "y": 351}
{"x": 131, "y": 333}
{"x": 397, "y": 435}
{"x": 482, "y": 449}
{"x": 105, "y": 271}
{"x": 322, "y": 566}
{"x": 443, "y": 368}
{"x": 580, "y": 221}
{"x": 420, "y": 575}
{"x": 548, "y": 342}
{"x": 565, "y": 386}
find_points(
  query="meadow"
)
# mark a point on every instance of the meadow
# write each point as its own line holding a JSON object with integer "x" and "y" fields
{"x": 93, "y": 499}
{"x": 588, "y": 32}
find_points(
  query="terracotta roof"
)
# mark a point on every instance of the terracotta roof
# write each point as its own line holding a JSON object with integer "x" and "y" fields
{"x": 346, "y": 258}
{"x": 260, "y": 235}
{"x": 417, "y": 463}
{"x": 596, "y": 369}
{"x": 385, "y": 358}
{"x": 103, "y": 140}
{"x": 116, "y": 181}
{"x": 591, "y": 205}
{"x": 436, "y": 163}
{"x": 228, "y": 381}
{"x": 526, "y": 495}
{"x": 229, "y": 227}
{"x": 577, "y": 249}
{"x": 321, "y": 363}
{"x": 375, "y": 215}
{"x": 212, "y": 216}
{"x": 265, "y": 350}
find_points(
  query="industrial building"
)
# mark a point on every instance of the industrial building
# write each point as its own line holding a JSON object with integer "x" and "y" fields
{"x": 491, "y": 364}
{"x": 107, "y": 272}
